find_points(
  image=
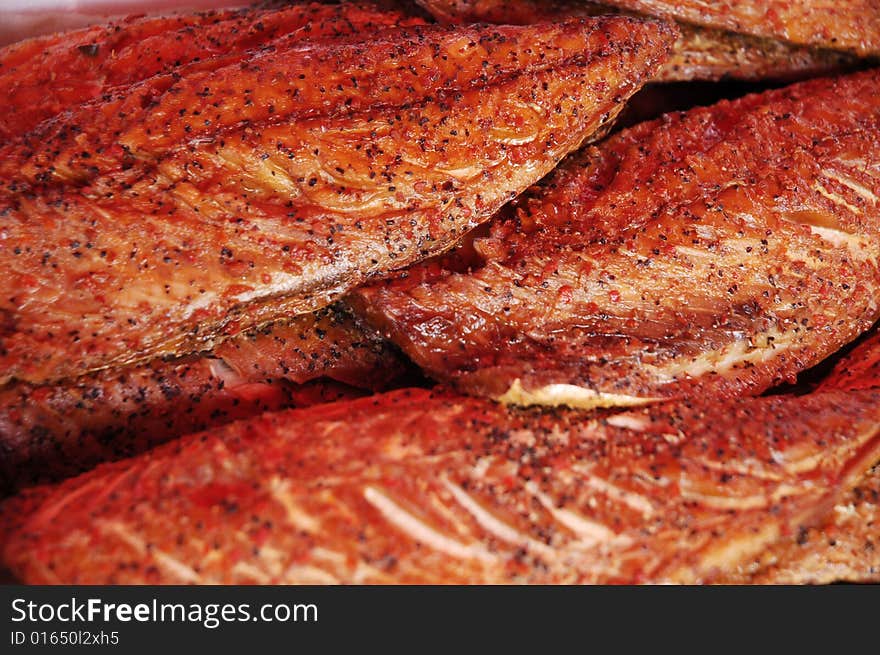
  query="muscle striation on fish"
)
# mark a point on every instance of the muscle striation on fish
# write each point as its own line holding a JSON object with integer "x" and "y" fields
{"x": 46, "y": 76}
{"x": 421, "y": 487}
{"x": 270, "y": 187}
{"x": 717, "y": 251}
{"x": 700, "y": 53}
{"x": 850, "y": 25}
{"x": 48, "y": 432}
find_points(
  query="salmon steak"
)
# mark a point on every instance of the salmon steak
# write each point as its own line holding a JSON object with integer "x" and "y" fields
{"x": 56, "y": 430}
{"x": 271, "y": 186}
{"x": 700, "y": 53}
{"x": 716, "y": 251}
{"x": 415, "y": 486}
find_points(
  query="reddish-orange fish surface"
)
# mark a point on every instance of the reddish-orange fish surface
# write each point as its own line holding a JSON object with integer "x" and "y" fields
{"x": 45, "y": 76}
{"x": 270, "y": 187}
{"x": 859, "y": 369}
{"x": 847, "y": 546}
{"x": 720, "y": 250}
{"x": 852, "y": 25}
{"x": 421, "y": 487}
{"x": 52, "y": 431}
{"x": 701, "y": 53}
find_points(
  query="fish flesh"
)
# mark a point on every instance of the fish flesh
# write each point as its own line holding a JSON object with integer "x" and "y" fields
{"x": 859, "y": 369}
{"x": 716, "y": 251}
{"x": 700, "y": 53}
{"x": 43, "y": 77}
{"x": 415, "y": 486}
{"x": 845, "y": 549}
{"x": 250, "y": 193}
{"x": 48, "y": 432}
{"x": 852, "y": 25}
{"x": 121, "y": 92}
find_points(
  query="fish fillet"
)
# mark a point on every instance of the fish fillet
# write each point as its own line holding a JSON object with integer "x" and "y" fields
{"x": 700, "y": 53}
{"x": 860, "y": 369}
{"x": 846, "y": 549}
{"x": 720, "y": 250}
{"x": 851, "y": 25}
{"x": 52, "y": 431}
{"x": 847, "y": 546}
{"x": 45, "y": 76}
{"x": 421, "y": 487}
{"x": 300, "y": 186}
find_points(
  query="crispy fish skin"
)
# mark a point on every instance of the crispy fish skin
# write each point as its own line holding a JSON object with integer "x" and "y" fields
{"x": 699, "y": 54}
{"x": 52, "y": 431}
{"x": 421, "y": 487}
{"x": 281, "y": 217}
{"x": 720, "y": 250}
{"x": 852, "y": 25}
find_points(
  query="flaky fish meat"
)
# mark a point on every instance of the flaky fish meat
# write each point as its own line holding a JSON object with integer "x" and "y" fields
{"x": 268, "y": 188}
{"x": 419, "y": 487}
{"x": 717, "y": 251}
{"x": 56, "y": 430}
{"x": 700, "y": 53}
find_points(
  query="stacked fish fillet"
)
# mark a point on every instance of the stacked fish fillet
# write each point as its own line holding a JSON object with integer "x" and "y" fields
{"x": 335, "y": 293}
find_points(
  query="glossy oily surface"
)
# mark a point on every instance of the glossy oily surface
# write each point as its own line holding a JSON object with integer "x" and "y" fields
{"x": 700, "y": 53}
{"x": 248, "y": 193}
{"x": 415, "y": 487}
{"x": 720, "y": 250}
{"x": 56, "y": 430}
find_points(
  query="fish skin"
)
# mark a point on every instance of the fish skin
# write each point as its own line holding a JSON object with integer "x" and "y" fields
{"x": 852, "y": 26}
{"x": 684, "y": 255}
{"x": 48, "y": 432}
{"x": 225, "y": 234}
{"x": 421, "y": 487}
{"x": 44, "y": 76}
{"x": 700, "y": 53}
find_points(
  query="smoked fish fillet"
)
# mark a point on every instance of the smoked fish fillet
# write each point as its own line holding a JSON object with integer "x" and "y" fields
{"x": 860, "y": 369}
{"x": 847, "y": 546}
{"x": 89, "y": 136}
{"x": 271, "y": 187}
{"x": 45, "y": 76}
{"x": 846, "y": 549}
{"x": 721, "y": 250}
{"x": 851, "y": 25}
{"x": 52, "y": 431}
{"x": 419, "y": 487}
{"x": 700, "y": 53}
